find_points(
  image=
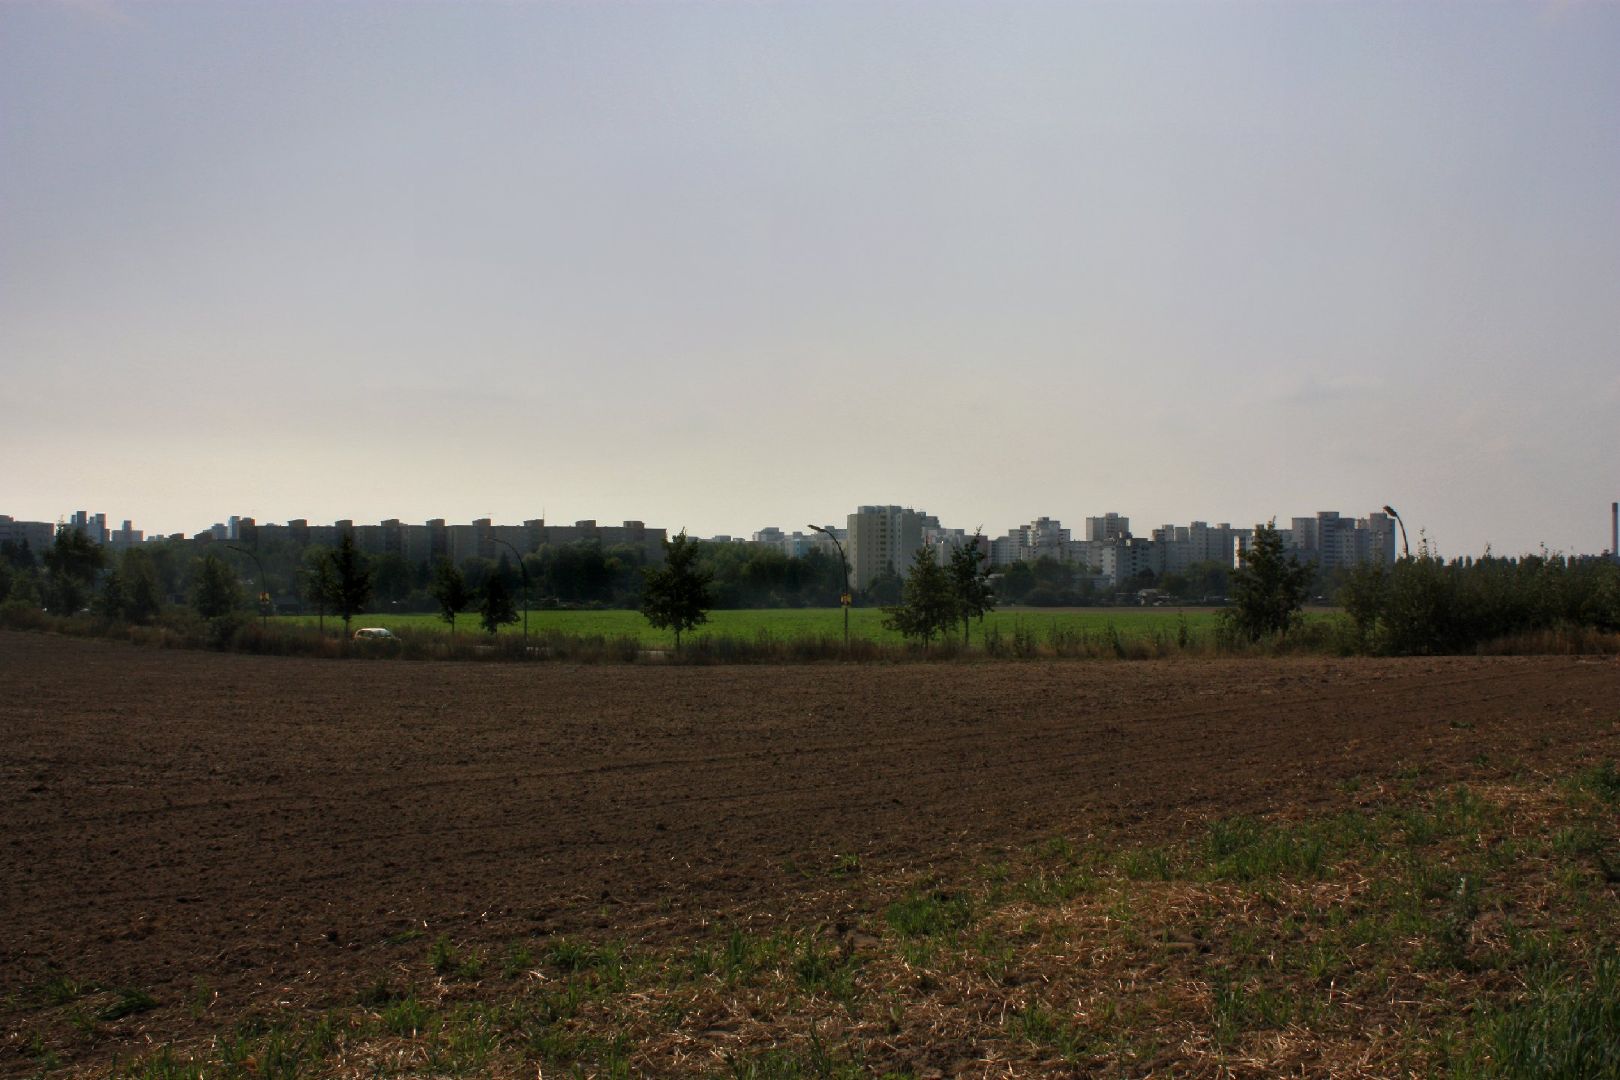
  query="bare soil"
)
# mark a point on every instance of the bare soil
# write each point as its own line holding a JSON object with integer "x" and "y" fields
{"x": 281, "y": 830}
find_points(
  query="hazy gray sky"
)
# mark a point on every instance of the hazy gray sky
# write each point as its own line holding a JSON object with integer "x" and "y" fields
{"x": 727, "y": 265}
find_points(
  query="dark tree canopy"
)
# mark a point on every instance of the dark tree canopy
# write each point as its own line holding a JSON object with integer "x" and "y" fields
{"x": 319, "y": 582}
{"x": 216, "y": 593}
{"x": 1268, "y": 590}
{"x": 450, "y": 591}
{"x": 886, "y": 588}
{"x": 351, "y": 581}
{"x": 497, "y": 607}
{"x": 71, "y": 564}
{"x": 928, "y": 604}
{"x": 142, "y": 595}
{"x": 969, "y": 572}
{"x": 675, "y": 596}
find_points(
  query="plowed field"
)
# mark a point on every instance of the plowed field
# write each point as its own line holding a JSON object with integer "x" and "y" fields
{"x": 279, "y": 830}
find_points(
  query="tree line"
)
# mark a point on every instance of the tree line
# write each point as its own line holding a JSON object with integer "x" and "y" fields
{"x": 1423, "y": 604}
{"x": 1420, "y": 604}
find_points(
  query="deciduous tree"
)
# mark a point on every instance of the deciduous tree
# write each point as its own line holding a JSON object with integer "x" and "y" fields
{"x": 319, "y": 583}
{"x": 71, "y": 564}
{"x": 969, "y": 572}
{"x": 351, "y": 573}
{"x": 1268, "y": 589}
{"x": 497, "y": 608}
{"x": 928, "y": 605}
{"x": 217, "y": 593}
{"x": 675, "y": 596}
{"x": 143, "y": 598}
{"x": 450, "y": 591}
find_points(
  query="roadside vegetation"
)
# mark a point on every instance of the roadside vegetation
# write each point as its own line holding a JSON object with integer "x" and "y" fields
{"x": 1464, "y": 931}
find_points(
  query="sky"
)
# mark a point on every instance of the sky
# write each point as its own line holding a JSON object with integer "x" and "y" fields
{"x": 728, "y": 265}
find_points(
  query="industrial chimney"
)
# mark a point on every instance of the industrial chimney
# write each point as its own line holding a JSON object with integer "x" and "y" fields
{"x": 1614, "y": 531}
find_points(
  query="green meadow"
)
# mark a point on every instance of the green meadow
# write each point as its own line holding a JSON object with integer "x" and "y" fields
{"x": 795, "y": 623}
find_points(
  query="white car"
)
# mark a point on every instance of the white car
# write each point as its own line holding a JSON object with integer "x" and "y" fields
{"x": 374, "y": 633}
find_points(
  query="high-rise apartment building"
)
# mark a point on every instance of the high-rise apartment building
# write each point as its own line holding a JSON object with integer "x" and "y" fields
{"x": 1108, "y": 527}
{"x": 883, "y": 538}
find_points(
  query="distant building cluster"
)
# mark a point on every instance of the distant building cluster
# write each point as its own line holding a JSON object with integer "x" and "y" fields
{"x": 435, "y": 539}
{"x": 882, "y": 538}
{"x": 429, "y": 541}
{"x": 39, "y": 534}
{"x": 875, "y": 539}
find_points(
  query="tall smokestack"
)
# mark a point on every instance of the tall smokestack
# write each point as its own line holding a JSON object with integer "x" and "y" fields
{"x": 1614, "y": 531}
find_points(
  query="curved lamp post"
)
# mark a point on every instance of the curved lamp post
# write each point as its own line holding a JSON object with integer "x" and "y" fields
{"x": 843, "y": 564}
{"x": 524, "y": 570}
{"x": 264, "y": 586}
{"x": 1406, "y": 552}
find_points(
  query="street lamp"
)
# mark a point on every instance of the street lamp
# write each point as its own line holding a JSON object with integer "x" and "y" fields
{"x": 843, "y": 564}
{"x": 1406, "y": 552}
{"x": 264, "y": 586}
{"x": 524, "y": 570}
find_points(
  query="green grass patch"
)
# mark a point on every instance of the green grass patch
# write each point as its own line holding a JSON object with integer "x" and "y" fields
{"x": 1042, "y": 626}
{"x": 1566, "y": 1028}
{"x": 925, "y": 914}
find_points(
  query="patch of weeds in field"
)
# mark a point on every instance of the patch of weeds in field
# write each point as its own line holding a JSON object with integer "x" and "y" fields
{"x": 82, "y": 1019}
{"x": 405, "y": 1017}
{"x": 516, "y": 960}
{"x": 608, "y": 964}
{"x": 821, "y": 969}
{"x": 377, "y": 995}
{"x": 404, "y": 937}
{"x": 1148, "y": 864}
{"x": 1047, "y": 889}
{"x": 278, "y": 1051}
{"x": 606, "y": 1057}
{"x": 846, "y": 865}
{"x": 163, "y": 1065}
{"x": 1238, "y": 1007}
{"x": 532, "y": 1017}
{"x": 996, "y": 958}
{"x": 995, "y": 876}
{"x": 467, "y": 1037}
{"x": 816, "y": 1061}
{"x": 1527, "y": 949}
{"x": 1448, "y": 940}
{"x": 745, "y": 955}
{"x": 471, "y": 965}
{"x": 54, "y": 992}
{"x": 924, "y": 914}
{"x": 1566, "y": 1028}
{"x": 43, "y": 1056}
{"x": 1058, "y": 848}
{"x": 130, "y": 1001}
{"x": 442, "y": 956}
{"x": 201, "y": 998}
{"x": 1049, "y": 1031}
{"x": 1578, "y": 841}
{"x": 1600, "y": 782}
{"x": 1460, "y": 813}
{"x": 1409, "y": 773}
{"x": 1243, "y": 849}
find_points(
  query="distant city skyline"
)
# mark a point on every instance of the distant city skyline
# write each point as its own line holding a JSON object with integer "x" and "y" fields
{"x": 1133, "y": 524}
{"x": 713, "y": 264}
